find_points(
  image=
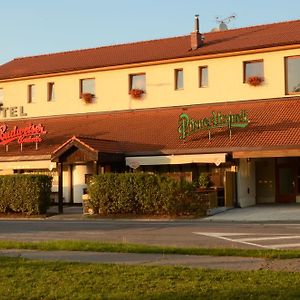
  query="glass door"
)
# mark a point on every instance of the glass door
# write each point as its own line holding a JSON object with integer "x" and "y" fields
{"x": 286, "y": 183}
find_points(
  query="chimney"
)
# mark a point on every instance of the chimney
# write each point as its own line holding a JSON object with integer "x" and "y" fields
{"x": 196, "y": 36}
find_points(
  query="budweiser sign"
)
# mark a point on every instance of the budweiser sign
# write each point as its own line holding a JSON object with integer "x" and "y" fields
{"x": 29, "y": 134}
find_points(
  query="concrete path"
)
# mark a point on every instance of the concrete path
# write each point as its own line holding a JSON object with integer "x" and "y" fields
{"x": 207, "y": 262}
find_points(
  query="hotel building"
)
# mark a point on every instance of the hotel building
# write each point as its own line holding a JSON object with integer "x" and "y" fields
{"x": 224, "y": 103}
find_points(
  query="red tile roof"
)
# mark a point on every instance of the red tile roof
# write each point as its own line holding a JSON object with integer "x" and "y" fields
{"x": 274, "y": 124}
{"x": 93, "y": 144}
{"x": 248, "y": 38}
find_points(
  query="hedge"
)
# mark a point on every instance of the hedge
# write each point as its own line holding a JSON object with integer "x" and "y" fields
{"x": 144, "y": 194}
{"x": 28, "y": 194}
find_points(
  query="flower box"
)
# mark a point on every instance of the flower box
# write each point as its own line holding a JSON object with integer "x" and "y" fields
{"x": 87, "y": 97}
{"x": 136, "y": 93}
{"x": 255, "y": 80}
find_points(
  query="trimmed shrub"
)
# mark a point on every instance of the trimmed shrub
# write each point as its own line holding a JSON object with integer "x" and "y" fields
{"x": 144, "y": 194}
{"x": 28, "y": 194}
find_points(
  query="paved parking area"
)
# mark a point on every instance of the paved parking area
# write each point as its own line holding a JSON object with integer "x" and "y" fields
{"x": 260, "y": 213}
{"x": 277, "y": 241}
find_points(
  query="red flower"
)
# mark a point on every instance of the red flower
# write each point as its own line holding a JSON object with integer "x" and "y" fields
{"x": 87, "y": 97}
{"x": 136, "y": 93}
{"x": 255, "y": 80}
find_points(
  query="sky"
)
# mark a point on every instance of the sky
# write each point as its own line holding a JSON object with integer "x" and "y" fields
{"x": 34, "y": 27}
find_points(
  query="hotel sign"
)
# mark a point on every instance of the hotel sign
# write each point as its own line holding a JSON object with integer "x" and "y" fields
{"x": 188, "y": 126}
{"x": 12, "y": 111}
{"x": 29, "y": 134}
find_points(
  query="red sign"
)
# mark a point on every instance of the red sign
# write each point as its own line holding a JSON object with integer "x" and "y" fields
{"x": 30, "y": 134}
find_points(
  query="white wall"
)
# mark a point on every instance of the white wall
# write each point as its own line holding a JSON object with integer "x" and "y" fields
{"x": 78, "y": 182}
{"x": 246, "y": 183}
{"x": 79, "y": 172}
{"x": 112, "y": 86}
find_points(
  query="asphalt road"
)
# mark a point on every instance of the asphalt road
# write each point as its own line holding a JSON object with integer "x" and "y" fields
{"x": 183, "y": 233}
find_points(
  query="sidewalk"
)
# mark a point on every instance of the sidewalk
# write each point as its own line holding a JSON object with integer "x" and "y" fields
{"x": 208, "y": 262}
{"x": 259, "y": 213}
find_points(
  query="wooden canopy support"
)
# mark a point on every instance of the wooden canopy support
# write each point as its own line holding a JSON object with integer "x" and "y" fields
{"x": 60, "y": 187}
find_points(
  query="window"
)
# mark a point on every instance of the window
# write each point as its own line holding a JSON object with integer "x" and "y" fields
{"x": 203, "y": 76}
{"x": 253, "y": 68}
{"x": 1, "y": 96}
{"x": 51, "y": 94}
{"x": 178, "y": 79}
{"x": 30, "y": 93}
{"x": 87, "y": 86}
{"x": 137, "y": 82}
{"x": 292, "y": 75}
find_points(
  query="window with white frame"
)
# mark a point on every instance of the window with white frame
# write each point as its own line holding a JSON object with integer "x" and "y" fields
{"x": 87, "y": 86}
{"x": 50, "y": 91}
{"x": 292, "y": 75}
{"x": 178, "y": 79}
{"x": 254, "y": 68}
{"x": 137, "y": 82}
{"x": 203, "y": 76}
{"x": 1, "y": 95}
{"x": 30, "y": 93}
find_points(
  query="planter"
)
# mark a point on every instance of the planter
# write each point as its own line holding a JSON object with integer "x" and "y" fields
{"x": 255, "y": 80}
{"x": 136, "y": 93}
{"x": 87, "y": 97}
{"x": 86, "y": 206}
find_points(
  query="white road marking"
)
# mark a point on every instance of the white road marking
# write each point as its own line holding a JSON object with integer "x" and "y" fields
{"x": 269, "y": 238}
{"x": 248, "y": 241}
{"x": 284, "y": 246}
{"x": 222, "y": 237}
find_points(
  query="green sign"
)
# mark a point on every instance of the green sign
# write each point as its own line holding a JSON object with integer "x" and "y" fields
{"x": 188, "y": 126}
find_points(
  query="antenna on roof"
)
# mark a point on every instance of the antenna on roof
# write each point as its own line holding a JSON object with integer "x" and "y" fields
{"x": 223, "y": 22}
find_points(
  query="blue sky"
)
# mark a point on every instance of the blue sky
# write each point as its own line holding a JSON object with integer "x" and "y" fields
{"x": 35, "y": 27}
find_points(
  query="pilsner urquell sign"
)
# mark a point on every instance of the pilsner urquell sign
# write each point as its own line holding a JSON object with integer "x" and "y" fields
{"x": 188, "y": 126}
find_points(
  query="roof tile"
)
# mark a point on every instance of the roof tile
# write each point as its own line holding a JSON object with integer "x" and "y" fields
{"x": 274, "y": 123}
{"x": 262, "y": 36}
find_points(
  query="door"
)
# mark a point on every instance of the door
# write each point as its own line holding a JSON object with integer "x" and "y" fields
{"x": 286, "y": 183}
{"x": 230, "y": 189}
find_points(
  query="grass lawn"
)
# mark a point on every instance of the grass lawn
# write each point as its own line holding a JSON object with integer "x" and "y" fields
{"x": 133, "y": 248}
{"x": 24, "y": 279}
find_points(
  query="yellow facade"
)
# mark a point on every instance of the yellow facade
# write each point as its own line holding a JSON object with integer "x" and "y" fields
{"x": 225, "y": 83}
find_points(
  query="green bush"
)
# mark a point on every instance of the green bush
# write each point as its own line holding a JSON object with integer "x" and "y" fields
{"x": 25, "y": 193}
{"x": 145, "y": 194}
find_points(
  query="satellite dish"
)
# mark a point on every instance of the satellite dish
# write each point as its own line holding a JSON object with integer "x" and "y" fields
{"x": 223, "y": 23}
{"x": 223, "y": 26}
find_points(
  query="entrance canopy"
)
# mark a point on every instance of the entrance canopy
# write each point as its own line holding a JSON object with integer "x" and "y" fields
{"x": 83, "y": 149}
{"x": 215, "y": 158}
